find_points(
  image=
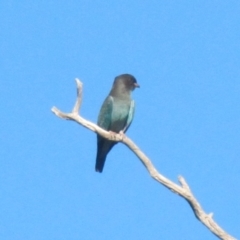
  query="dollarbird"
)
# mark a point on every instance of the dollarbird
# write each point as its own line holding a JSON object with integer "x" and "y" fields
{"x": 116, "y": 115}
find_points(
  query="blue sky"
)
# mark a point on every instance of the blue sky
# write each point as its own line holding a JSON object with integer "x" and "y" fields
{"x": 186, "y": 57}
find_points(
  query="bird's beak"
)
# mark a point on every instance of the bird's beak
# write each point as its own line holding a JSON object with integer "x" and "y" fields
{"x": 136, "y": 85}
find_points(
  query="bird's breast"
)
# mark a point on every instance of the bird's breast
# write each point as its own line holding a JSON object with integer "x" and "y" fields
{"x": 119, "y": 115}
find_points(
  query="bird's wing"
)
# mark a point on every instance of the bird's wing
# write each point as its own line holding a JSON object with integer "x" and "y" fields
{"x": 130, "y": 116}
{"x": 105, "y": 115}
{"x": 104, "y": 121}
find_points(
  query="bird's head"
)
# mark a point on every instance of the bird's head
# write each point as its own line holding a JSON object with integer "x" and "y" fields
{"x": 127, "y": 81}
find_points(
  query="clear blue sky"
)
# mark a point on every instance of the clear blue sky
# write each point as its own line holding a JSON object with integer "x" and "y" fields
{"x": 186, "y": 57}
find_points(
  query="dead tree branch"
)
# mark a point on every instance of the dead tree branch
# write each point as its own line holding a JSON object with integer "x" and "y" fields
{"x": 183, "y": 189}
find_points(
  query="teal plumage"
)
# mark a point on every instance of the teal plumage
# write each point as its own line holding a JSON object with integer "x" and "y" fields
{"x": 116, "y": 114}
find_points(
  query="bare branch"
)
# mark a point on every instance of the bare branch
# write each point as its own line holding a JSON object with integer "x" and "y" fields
{"x": 183, "y": 189}
{"x": 79, "y": 96}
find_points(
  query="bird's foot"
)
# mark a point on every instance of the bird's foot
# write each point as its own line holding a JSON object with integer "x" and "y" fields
{"x": 113, "y": 135}
{"x": 122, "y": 134}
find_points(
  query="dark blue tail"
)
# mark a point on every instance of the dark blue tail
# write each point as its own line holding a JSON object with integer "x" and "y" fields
{"x": 103, "y": 148}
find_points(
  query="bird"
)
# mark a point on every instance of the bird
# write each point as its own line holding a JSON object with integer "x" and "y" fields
{"x": 116, "y": 115}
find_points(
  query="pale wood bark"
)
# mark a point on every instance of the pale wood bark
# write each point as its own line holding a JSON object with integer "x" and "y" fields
{"x": 183, "y": 189}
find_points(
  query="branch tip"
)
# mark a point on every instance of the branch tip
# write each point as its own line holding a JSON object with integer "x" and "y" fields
{"x": 210, "y": 215}
{"x": 79, "y": 83}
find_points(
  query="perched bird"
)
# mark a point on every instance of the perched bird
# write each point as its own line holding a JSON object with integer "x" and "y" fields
{"x": 116, "y": 114}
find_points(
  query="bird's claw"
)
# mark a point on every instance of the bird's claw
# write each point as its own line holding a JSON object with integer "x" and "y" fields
{"x": 121, "y": 133}
{"x": 114, "y": 135}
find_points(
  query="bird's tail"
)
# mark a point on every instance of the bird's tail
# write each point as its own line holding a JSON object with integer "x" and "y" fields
{"x": 104, "y": 146}
{"x": 100, "y": 162}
